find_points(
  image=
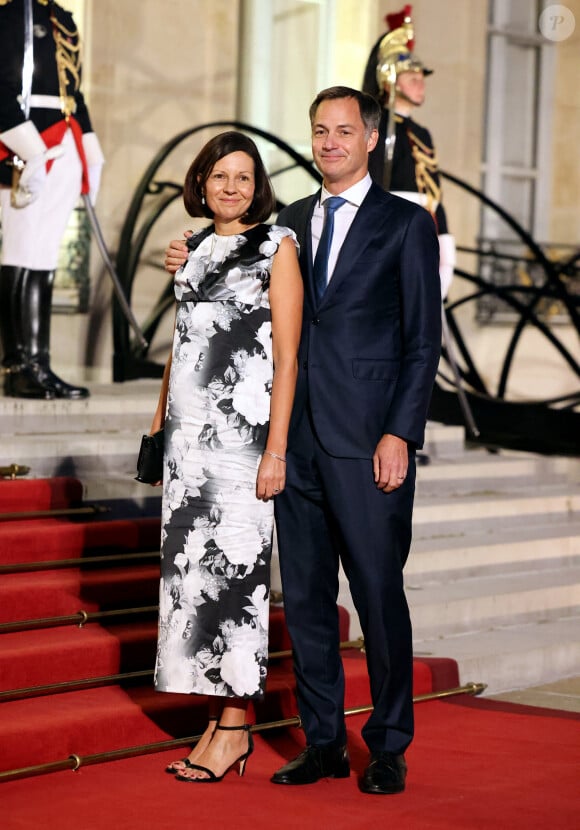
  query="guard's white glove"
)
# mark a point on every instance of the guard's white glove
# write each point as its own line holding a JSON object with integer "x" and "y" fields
{"x": 33, "y": 178}
{"x": 95, "y": 160}
{"x": 26, "y": 142}
{"x": 447, "y": 260}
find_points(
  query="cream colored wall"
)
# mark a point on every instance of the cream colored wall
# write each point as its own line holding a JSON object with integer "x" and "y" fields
{"x": 450, "y": 38}
{"x": 565, "y": 208}
{"x": 155, "y": 68}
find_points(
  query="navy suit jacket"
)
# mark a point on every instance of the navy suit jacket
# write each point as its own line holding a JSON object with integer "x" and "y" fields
{"x": 369, "y": 351}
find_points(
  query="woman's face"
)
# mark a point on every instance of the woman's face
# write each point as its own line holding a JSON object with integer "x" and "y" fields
{"x": 229, "y": 188}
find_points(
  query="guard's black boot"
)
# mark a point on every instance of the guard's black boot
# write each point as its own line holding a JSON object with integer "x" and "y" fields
{"x": 22, "y": 377}
{"x": 28, "y": 381}
{"x": 41, "y": 299}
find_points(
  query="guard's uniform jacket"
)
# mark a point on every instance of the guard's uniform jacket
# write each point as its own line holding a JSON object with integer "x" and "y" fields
{"x": 415, "y": 176}
{"x": 47, "y": 160}
{"x": 415, "y": 167}
{"x": 49, "y": 36}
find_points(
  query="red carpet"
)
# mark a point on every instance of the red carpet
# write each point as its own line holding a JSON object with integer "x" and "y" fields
{"x": 474, "y": 765}
{"x": 38, "y": 729}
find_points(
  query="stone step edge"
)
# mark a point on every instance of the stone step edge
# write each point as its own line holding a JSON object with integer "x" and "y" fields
{"x": 511, "y": 656}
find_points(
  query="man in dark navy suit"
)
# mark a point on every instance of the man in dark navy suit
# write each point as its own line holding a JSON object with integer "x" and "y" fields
{"x": 368, "y": 357}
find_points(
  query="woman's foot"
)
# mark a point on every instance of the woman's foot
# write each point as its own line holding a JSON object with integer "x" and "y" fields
{"x": 230, "y": 745}
{"x": 178, "y": 767}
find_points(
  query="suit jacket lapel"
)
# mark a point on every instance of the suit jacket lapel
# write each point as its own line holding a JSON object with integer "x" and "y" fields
{"x": 372, "y": 214}
{"x": 304, "y": 234}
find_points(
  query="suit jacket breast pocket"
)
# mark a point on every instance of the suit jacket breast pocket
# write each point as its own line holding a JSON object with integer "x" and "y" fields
{"x": 375, "y": 370}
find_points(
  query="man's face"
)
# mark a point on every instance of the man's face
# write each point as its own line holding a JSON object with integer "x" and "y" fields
{"x": 412, "y": 87}
{"x": 340, "y": 145}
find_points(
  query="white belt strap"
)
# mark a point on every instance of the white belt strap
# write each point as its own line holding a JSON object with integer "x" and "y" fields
{"x": 47, "y": 102}
{"x": 409, "y": 195}
{"x": 412, "y": 196}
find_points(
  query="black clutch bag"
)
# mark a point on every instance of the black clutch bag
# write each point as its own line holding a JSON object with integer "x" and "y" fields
{"x": 150, "y": 461}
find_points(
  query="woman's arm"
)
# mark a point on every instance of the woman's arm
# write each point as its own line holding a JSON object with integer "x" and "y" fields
{"x": 286, "y": 295}
{"x": 161, "y": 410}
{"x": 159, "y": 417}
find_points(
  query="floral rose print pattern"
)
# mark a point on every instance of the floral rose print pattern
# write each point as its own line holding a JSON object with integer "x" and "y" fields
{"x": 216, "y": 538}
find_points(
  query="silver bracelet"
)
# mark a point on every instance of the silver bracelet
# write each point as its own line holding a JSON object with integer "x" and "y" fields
{"x": 275, "y": 455}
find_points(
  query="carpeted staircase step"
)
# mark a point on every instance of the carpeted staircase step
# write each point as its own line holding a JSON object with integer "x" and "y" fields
{"x": 51, "y": 728}
{"x": 26, "y": 596}
{"x": 65, "y": 653}
{"x": 18, "y": 495}
{"x": 41, "y": 725}
{"x": 42, "y": 540}
{"x": 47, "y": 729}
{"x": 59, "y": 655}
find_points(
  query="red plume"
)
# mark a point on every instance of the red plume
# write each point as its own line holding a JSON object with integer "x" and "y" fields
{"x": 395, "y": 21}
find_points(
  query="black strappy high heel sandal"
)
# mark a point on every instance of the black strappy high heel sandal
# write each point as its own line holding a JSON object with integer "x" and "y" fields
{"x": 174, "y": 770}
{"x": 212, "y": 777}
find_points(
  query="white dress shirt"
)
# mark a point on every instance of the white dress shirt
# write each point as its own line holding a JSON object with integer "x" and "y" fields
{"x": 343, "y": 218}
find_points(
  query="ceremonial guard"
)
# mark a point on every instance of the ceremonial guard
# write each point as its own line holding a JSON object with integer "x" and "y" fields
{"x": 49, "y": 155}
{"x": 404, "y": 160}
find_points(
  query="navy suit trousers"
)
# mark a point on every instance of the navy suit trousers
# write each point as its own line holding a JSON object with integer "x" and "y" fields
{"x": 330, "y": 512}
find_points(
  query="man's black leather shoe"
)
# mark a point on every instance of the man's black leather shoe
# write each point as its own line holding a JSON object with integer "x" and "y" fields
{"x": 313, "y": 764}
{"x": 385, "y": 774}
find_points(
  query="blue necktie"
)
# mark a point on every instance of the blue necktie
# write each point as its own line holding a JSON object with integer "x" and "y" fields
{"x": 320, "y": 266}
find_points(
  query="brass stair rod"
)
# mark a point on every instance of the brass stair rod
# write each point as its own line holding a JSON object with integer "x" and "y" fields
{"x": 80, "y": 618}
{"x": 72, "y": 685}
{"x": 74, "y": 762}
{"x": 92, "y": 509}
{"x": 54, "y": 564}
{"x": 13, "y": 470}
{"x": 110, "y": 679}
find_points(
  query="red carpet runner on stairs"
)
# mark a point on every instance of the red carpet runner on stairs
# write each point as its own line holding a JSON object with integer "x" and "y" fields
{"x": 474, "y": 763}
{"x": 38, "y": 728}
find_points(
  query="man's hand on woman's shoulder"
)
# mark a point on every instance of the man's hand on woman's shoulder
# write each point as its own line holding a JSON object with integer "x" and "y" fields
{"x": 176, "y": 253}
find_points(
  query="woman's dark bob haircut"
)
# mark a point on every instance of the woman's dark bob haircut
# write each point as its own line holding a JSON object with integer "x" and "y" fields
{"x": 216, "y": 148}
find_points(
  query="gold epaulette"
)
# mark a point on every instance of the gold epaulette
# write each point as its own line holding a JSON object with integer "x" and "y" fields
{"x": 426, "y": 164}
{"x": 68, "y": 63}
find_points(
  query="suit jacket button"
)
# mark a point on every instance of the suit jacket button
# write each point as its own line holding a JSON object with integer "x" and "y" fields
{"x": 305, "y": 365}
{"x": 315, "y": 321}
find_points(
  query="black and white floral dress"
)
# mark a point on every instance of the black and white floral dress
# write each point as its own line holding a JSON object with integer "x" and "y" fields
{"x": 216, "y": 538}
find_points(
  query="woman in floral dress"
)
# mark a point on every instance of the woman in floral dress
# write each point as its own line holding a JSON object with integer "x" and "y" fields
{"x": 225, "y": 403}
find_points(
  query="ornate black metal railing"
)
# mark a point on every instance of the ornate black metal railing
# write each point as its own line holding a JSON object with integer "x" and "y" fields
{"x": 538, "y": 424}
